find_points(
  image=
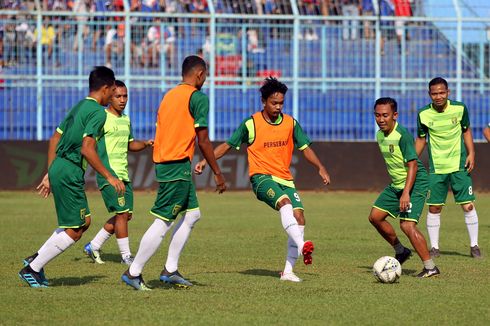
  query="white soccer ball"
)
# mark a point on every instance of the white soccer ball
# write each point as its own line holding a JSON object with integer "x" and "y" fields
{"x": 387, "y": 269}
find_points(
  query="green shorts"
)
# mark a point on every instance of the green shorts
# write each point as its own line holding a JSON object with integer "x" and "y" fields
{"x": 68, "y": 188}
{"x": 271, "y": 192}
{"x": 115, "y": 203}
{"x": 389, "y": 202}
{"x": 460, "y": 183}
{"x": 173, "y": 198}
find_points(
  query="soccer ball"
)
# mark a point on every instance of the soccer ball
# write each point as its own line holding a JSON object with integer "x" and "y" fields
{"x": 387, "y": 269}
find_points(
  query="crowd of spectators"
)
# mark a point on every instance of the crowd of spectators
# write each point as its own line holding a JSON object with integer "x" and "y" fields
{"x": 150, "y": 38}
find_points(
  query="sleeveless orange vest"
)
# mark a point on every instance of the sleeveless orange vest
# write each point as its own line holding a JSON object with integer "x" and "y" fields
{"x": 175, "y": 136}
{"x": 272, "y": 150}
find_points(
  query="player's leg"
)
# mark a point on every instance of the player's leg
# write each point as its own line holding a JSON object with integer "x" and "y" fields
{"x": 387, "y": 204}
{"x": 438, "y": 187}
{"x": 123, "y": 215}
{"x": 462, "y": 187}
{"x": 180, "y": 236}
{"x": 292, "y": 250}
{"x": 67, "y": 186}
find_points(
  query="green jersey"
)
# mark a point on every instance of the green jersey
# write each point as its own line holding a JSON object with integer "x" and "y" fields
{"x": 112, "y": 147}
{"x": 245, "y": 134}
{"x": 85, "y": 119}
{"x": 199, "y": 107}
{"x": 447, "y": 152}
{"x": 397, "y": 149}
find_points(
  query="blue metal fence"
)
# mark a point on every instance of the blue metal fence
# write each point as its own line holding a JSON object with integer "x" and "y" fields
{"x": 333, "y": 81}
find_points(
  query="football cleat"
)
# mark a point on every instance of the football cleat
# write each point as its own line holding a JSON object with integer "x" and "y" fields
{"x": 475, "y": 252}
{"x": 404, "y": 256}
{"x": 291, "y": 277}
{"x": 429, "y": 272}
{"x": 93, "y": 254}
{"x": 127, "y": 260}
{"x": 307, "y": 250}
{"x": 32, "y": 278}
{"x": 28, "y": 260}
{"x": 174, "y": 278}
{"x": 136, "y": 282}
{"x": 434, "y": 252}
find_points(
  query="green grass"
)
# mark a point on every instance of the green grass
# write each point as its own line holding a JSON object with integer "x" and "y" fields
{"x": 234, "y": 256}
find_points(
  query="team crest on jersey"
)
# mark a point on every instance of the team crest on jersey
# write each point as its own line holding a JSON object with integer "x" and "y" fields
{"x": 270, "y": 193}
{"x": 82, "y": 213}
{"x": 121, "y": 201}
{"x": 454, "y": 120}
{"x": 391, "y": 148}
{"x": 431, "y": 123}
{"x": 176, "y": 210}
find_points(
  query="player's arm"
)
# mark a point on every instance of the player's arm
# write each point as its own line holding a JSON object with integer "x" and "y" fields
{"x": 409, "y": 182}
{"x": 44, "y": 188}
{"x": 486, "y": 133}
{"x": 420, "y": 143}
{"x": 207, "y": 151}
{"x": 89, "y": 152}
{"x": 421, "y": 140}
{"x": 219, "y": 152}
{"x": 311, "y": 156}
{"x": 139, "y": 145}
{"x": 470, "y": 149}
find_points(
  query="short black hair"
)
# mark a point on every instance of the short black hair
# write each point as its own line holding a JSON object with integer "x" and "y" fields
{"x": 437, "y": 81}
{"x": 100, "y": 76}
{"x": 272, "y": 85}
{"x": 192, "y": 62}
{"x": 387, "y": 100}
{"x": 120, "y": 83}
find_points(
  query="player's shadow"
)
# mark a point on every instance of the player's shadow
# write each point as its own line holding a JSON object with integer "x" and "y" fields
{"x": 157, "y": 284}
{"x": 260, "y": 272}
{"x": 74, "y": 281}
{"x": 454, "y": 253}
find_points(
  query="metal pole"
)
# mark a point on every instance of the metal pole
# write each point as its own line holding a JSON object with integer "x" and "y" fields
{"x": 296, "y": 32}
{"x": 377, "y": 63}
{"x": 39, "y": 74}
{"x": 163, "y": 64}
{"x": 459, "y": 51}
{"x": 127, "y": 52}
{"x": 212, "y": 73}
{"x": 324, "y": 58}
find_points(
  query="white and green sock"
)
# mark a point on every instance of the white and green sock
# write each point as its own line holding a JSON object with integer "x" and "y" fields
{"x": 100, "y": 238}
{"x": 51, "y": 248}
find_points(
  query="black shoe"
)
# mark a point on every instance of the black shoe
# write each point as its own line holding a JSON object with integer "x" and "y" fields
{"x": 434, "y": 253}
{"x": 429, "y": 272}
{"x": 475, "y": 252}
{"x": 29, "y": 260}
{"x": 32, "y": 278}
{"x": 404, "y": 256}
{"x": 174, "y": 278}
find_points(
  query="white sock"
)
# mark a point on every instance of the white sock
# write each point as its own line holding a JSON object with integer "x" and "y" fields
{"x": 433, "y": 226}
{"x": 51, "y": 248}
{"x": 471, "y": 220}
{"x": 180, "y": 236}
{"x": 123, "y": 245}
{"x": 292, "y": 252}
{"x": 99, "y": 239}
{"x": 290, "y": 225}
{"x": 149, "y": 245}
{"x": 55, "y": 233}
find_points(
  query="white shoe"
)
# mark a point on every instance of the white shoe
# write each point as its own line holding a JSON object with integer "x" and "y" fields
{"x": 290, "y": 277}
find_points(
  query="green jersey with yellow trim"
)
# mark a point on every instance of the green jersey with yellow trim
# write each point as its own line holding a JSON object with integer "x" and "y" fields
{"x": 85, "y": 119}
{"x": 447, "y": 152}
{"x": 112, "y": 147}
{"x": 398, "y": 149}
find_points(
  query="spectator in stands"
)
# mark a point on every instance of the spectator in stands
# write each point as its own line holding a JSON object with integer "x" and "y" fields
{"x": 101, "y": 6}
{"x": 350, "y": 8}
{"x": 402, "y": 9}
{"x": 48, "y": 36}
{"x": 386, "y": 8}
{"x": 369, "y": 8}
{"x": 81, "y": 7}
{"x": 9, "y": 40}
{"x": 155, "y": 47}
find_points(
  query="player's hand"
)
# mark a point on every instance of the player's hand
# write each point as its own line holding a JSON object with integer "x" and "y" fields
{"x": 220, "y": 183}
{"x": 200, "y": 167}
{"x": 44, "y": 188}
{"x": 325, "y": 176}
{"x": 405, "y": 202}
{"x": 149, "y": 142}
{"x": 470, "y": 162}
{"x": 117, "y": 184}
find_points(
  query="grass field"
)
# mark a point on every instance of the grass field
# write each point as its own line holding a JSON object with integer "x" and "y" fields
{"x": 233, "y": 257}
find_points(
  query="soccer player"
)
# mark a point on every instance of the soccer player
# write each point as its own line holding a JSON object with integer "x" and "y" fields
{"x": 404, "y": 198}
{"x": 451, "y": 159}
{"x": 271, "y": 137}
{"x": 486, "y": 133}
{"x": 182, "y": 115}
{"x": 71, "y": 147}
{"x": 113, "y": 149}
